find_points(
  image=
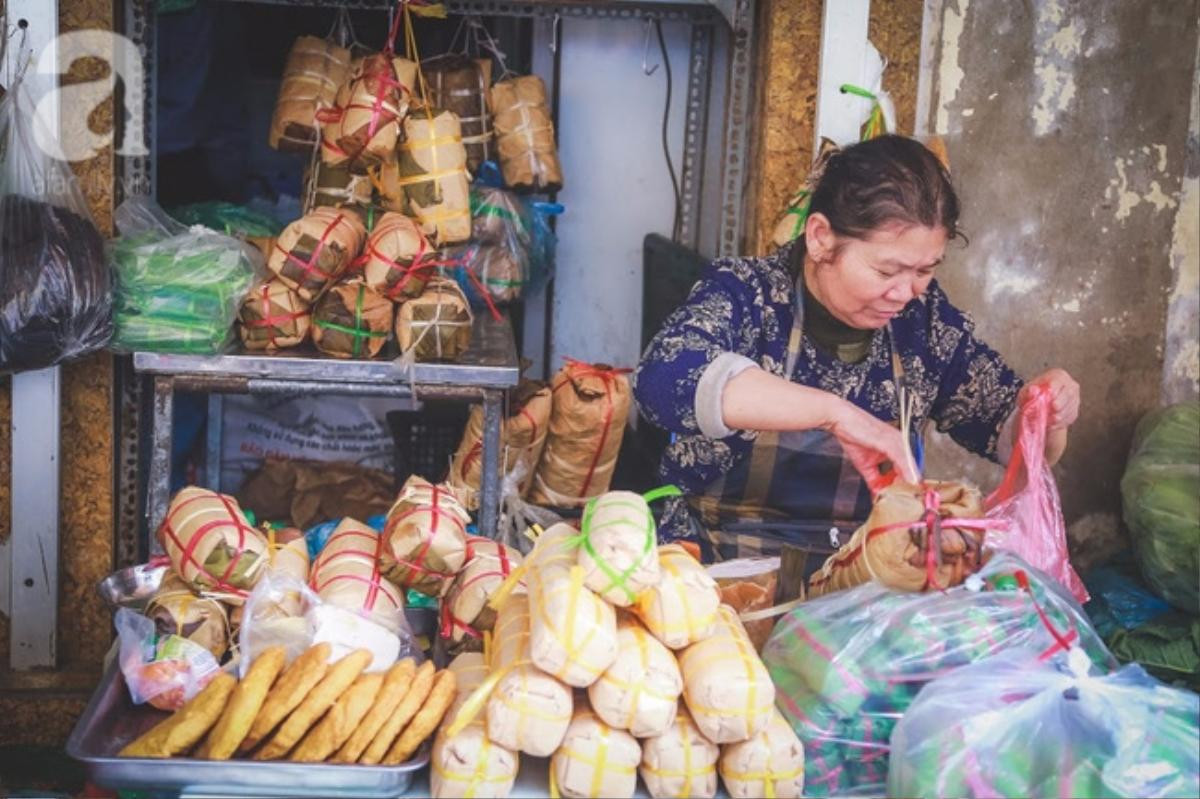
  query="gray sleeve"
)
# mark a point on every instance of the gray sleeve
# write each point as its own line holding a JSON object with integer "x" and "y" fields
{"x": 711, "y": 388}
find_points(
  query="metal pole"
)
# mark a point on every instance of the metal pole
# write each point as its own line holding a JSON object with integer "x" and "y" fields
{"x": 489, "y": 500}
{"x": 159, "y": 489}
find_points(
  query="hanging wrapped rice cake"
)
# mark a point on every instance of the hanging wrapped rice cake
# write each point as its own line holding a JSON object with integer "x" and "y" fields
{"x": 618, "y": 556}
{"x": 469, "y": 763}
{"x": 273, "y": 316}
{"x": 314, "y": 70}
{"x": 529, "y": 710}
{"x": 591, "y": 404}
{"x": 364, "y": 128}
{"x": 640, "y": 691}
{"x": 176, "y": 610}
{"x": 466, "y": 614}
{"x": 352, "y": 321}
{"x": 212, "y": 545}
{"x": 769, "y": 764}
{"x": 574, "y": 632}
{"x": 595, "y": 760}
{"x": 682, "y": 608}
{"x": 727, "y": 688}
{"x": 426, "y": 537}
{"x": 917, "y": 537}
{"x": 435, "y": 326}
{"x": 459, "y": 84}
{"x": 433, "y": 174}
{"x": 397, "y": 260}
{"x": 522, "y": 436}
{"x": 314, "y": 250}
{"x": 681, "y": 762}
{"x": 525, "y": 135}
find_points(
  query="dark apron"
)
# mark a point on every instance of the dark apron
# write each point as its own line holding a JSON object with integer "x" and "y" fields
{"x": 794, "y": 487}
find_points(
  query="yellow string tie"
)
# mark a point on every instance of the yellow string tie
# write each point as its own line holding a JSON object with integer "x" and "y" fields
{"x": 767, "y": 778}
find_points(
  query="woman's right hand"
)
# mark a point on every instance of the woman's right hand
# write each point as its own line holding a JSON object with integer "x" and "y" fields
{"x": 869, "y": 443}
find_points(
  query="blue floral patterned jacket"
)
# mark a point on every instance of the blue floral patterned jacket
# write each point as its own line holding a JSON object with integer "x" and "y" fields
{"x": 746, "y": 306}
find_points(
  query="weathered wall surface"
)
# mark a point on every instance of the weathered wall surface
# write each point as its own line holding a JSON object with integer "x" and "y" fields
{"x": 1067, "y": 128}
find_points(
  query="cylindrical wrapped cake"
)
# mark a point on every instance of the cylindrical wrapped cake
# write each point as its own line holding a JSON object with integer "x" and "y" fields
{"x": 682, "y": 608}
{"x": 346, "y": 574}
{"x": 460, "y": 84}
{"x": 465, "y": 611}
{"x": 595, "y": 760}
{"x": 525, "y": 135}
{"x": 352, "y": 321}
{"x": 681, "y": 762}
{"x": 212, "y": 545}
{"x": 314, "y": 250}
{"x": 176, "y": 610}
{"x": 436, "y": 326}
{"x": 618, "y": 556}
{"x": 397, "y": 260}
{"x": 640, "y": 691}
{"x": 365, "y": 127}
{"x": 769, "y": 764}
{"x": 314, "y": 70}
{"x": 433, "y": 174}
{"x": 469, "y": 763}
{"x": 426, "y": 537}
{"x": 273, "y": 316}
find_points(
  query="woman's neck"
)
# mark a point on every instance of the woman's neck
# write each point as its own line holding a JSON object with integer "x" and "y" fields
{"x": 828, "y": 332}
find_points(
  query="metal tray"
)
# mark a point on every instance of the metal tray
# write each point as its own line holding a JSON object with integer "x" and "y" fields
{"x": 111, "y": 720}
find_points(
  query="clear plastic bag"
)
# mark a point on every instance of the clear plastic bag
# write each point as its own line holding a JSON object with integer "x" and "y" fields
{"x": 178, "y": 288}
{"x": 1016, "y": 725}
{"x": 55, "y": 297}
{"x": 1027, "y": 500}
{"x": 164, "y": 670}
{"x": 848, "y": 665}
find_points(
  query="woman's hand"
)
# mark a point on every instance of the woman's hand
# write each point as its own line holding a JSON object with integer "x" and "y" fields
{"x": 869, "y": 443}
{"x": 1064, "y": 397}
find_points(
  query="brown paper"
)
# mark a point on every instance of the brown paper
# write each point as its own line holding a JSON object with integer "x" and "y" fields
{"x": 346, "y": 575}
{"x": 896, "y": 557}
{"x": 433, "y": 174}
{"x": 748, "y": 584}
{"x": 313, "y": 251}
{"x": 176, "y": 610}
{"x": 591, "y": 404}
{"x": 466, "y": 614}
{"x": 522, "y": 436}
{"x": 352, "y": 321}
{"x": 304, "y": 493}
{"x": 425, "y": 537}
{"x": 364, "y": 129}
{"x": 458, "y": 83}
{"x": 273, "y": 316}
{"x": 525, "y": 135}
{"x": 397, "y": 260}
{"x": 726, "y": 686}
{"x": 529, "y": 711}
{"x": 469, "y": 764}
{"x": 314, "y": 70}
{"x": 435, "y": 326}
{"x": 336, "y": 187}
{"x": 212, "y": 545}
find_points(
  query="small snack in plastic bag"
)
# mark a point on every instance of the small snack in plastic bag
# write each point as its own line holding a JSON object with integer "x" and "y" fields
{"x": 469, "y": 763}
{"x": 594, "y": 760}
{"x": 466, "y": 614}
{"x": 212, "y": 545}
{"x": 272, "y": 317}
{"x": 55, "y": 296}
{"x": 425, "y": 538}
{"x": 1027, "y": 500}
{"x": 681, "y": 762}
{"x": 769, "y": 764}
{"x": 640, "y": 691}
{"x": 846, "y": 666}
{"x": 315, "y": 249}
{"x": 288, "y": 558}
{"x": 178, "y": 289}
{"x": 682, "y": 608}
{"x": 573, "y": 632}
{"x": 1017, "y": 724}
{"x": 164, "y": 670}
{"x": 726, "y": 687}
{"x": 177, "y": 610}
{"x": 618, "y": 555}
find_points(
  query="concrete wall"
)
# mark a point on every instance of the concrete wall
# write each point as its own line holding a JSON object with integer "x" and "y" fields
{"x": 1067, "y": 125}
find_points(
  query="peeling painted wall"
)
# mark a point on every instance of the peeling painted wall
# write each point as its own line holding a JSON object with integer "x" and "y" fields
{"x": 1067, "y": 125}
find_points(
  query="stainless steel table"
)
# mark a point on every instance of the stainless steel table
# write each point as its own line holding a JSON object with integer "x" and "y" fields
{"x": 487, "y": 370}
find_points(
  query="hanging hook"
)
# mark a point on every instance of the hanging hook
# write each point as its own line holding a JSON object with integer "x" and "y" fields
{"x": 648, "y": 70}
{"x": 554, "y": 34}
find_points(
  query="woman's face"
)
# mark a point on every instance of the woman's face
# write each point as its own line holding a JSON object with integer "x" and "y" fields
{"x": 866, "y": 282}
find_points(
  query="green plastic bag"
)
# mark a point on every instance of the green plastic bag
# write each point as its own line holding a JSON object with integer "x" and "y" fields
{"x": 1161, "y": 497}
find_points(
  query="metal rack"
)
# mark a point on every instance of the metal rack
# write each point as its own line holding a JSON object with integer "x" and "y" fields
{"x": 486, "y": 371}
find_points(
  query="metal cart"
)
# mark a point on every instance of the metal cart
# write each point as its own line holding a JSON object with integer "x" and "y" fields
{"x": 486, "y": 371}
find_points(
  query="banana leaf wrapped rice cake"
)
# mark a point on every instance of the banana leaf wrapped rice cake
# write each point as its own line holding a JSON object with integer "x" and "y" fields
{"x": 211, "y": 544}
{"x": 459, "y": 83}
{"x": 336, "y": 187}
{"x": 397, "y": 260}
{"x": 273, "y": 316}
{"x": 352, "y": 321}
{"x": 435, "y": 326}
{"x": 314, "y": 250}
{"x": 363, "y": 128}
{"x": 314, "y": 71}
{"x": 433, "y": 174}
{"x": 525, "y": 135}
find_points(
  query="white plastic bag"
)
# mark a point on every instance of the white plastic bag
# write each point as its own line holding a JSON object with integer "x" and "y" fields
{"x": 164, "y": 670}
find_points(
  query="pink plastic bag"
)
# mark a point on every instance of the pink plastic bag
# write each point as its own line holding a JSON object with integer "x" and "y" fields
{"x": 1028, "y": 501}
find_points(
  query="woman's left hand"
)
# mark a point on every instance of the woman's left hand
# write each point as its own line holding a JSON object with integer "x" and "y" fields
{"x": 1064, "y": 397}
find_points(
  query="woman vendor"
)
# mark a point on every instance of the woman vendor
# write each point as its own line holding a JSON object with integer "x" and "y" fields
{"x": 778, "y": 376}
